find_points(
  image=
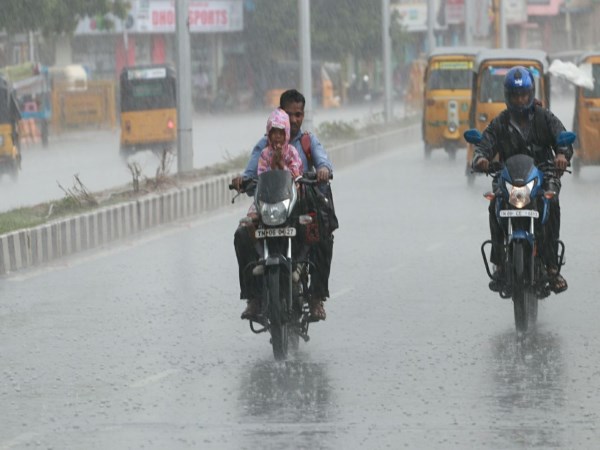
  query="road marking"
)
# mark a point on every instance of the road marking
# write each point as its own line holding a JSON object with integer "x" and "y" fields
{"x": 153, "y": 378}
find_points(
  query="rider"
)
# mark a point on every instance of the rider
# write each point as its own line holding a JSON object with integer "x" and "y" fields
{"x": 525, "y": 127}
{"x": 312, "y": 155}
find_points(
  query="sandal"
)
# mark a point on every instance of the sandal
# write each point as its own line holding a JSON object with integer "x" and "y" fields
{"x": 316, "y": 310}
{"x": 557, "y": 282}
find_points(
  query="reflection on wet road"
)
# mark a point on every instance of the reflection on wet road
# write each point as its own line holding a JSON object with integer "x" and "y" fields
{"x": 528, "y": 377}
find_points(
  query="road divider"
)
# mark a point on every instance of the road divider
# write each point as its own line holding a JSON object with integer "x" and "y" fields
{"x": 39, "y": 245}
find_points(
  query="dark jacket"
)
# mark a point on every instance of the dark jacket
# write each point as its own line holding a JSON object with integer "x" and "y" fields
{"x": 502, "y": 138}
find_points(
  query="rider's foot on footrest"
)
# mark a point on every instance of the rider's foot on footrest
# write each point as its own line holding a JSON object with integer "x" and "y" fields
{"x": 557, "y": 282}
{"x": 252, "y": 309}
{"x": 317, "y": 310}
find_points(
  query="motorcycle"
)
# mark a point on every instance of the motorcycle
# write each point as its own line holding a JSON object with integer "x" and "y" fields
{"x": 287, "y": 228}
{"x": 522, "y": 207}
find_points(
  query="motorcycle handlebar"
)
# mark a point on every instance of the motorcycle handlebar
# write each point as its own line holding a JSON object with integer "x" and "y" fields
{"x": 548, "y": 166}
{"x": 311, "y": 178}
{"x": 306, "y": 178}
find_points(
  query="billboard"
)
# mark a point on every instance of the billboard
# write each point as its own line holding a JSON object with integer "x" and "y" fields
{"x": 158, "y": 16}
{"x": 412, "y": 14}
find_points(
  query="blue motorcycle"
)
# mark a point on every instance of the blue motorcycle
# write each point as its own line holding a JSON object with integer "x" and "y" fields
{"x": 522, "y": 208}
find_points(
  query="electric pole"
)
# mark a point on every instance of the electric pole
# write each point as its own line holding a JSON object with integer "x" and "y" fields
{"x": 387, "y": 59}
{"x": 305, "y": 61}
{"x": 185, "y": 151}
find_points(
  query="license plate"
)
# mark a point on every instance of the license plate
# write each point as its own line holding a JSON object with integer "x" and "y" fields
{"x": 262, "y": 233}
{"x": 519, "y": 213}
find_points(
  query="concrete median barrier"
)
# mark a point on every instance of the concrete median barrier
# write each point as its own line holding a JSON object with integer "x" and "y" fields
{"x": 39, "y": 245}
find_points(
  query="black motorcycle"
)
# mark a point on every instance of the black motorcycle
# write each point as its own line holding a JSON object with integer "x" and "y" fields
{"x": 286, "y": 230}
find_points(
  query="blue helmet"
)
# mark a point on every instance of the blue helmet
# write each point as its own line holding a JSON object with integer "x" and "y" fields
{"x": 519, "y": 81}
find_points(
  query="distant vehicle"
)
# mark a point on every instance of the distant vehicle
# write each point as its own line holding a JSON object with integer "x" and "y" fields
{"x": 587, "y": 116}
{"x": 73, "y": 77}
{"x": 447, "y": 98}
{"x": 31, "y": 82}
{"x": 10, "y": 156}
{"x": 148, "y": 109}
{"x": 279, "y": 76}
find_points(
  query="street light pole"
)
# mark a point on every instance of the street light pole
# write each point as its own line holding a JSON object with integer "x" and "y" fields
{"x": 502, "y": 12}
{"x": 568, "y": 24}
{"x": 185, "y": 151}
{"x": 469, "y": 10}
{"x": 387, "y": 59}
{"x": 305, "y": 61}
{"x": 430, "y": 24}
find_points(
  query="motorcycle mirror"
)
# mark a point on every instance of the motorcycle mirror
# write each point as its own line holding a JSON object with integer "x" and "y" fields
{"x": 473, "y": 136}
{"x": 565, "y": 138}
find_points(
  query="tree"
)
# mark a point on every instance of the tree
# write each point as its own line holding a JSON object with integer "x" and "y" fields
{"x": 270, "y": 30}
{"x": 337, "y": 29}
{"x": 53, "y": 17}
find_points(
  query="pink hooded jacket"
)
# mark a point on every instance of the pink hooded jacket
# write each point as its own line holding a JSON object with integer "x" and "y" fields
{"x": 291, "y": 159}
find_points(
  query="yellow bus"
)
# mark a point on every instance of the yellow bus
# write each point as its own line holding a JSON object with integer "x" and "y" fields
{"x": 148, "y": 109}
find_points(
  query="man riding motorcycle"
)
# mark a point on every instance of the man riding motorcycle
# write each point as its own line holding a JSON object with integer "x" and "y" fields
{"x": 313, "y": 155}
{"x": 525, "y": 128}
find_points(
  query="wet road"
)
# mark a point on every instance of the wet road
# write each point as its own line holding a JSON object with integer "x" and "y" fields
{"x": 141, "y": 345}
{"x": 93, "y": 155}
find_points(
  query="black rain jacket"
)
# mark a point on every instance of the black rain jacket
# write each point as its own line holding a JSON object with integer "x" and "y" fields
{"x": 502, "y": 138}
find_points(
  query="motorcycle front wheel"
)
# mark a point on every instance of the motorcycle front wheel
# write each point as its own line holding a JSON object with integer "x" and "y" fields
{"x": 277, "y": 311}
{"x": 525, "y": 300}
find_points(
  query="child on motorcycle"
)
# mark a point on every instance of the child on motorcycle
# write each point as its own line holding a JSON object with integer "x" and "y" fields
{"x": 279, "y": 154}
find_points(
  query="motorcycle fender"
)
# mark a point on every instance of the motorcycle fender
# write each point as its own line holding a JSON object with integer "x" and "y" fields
{"x": 273, "y": 261}
{"x": 522, "y": 235}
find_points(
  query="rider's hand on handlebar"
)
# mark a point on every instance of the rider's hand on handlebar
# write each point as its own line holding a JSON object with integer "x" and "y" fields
{"x": 482, "y": 165}
{"x": 323, "y": 175}
{"x": 237, "y": 183}
{"x": 561, "y": 162}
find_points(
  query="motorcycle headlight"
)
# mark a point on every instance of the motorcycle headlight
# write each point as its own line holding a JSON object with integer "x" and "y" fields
{"x": 274, "y": 213}
{"x": 452, "y": 127}
{"x": 519, "y": 196}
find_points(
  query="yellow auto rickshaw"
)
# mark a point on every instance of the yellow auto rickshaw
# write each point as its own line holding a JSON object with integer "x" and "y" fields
{"x": 447, "y": 97}
{"x": 10, "y": 154}
{"x": 488, "y": 86}
{"x": 586, "y": 119}
{"x": 148, "y": 109}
